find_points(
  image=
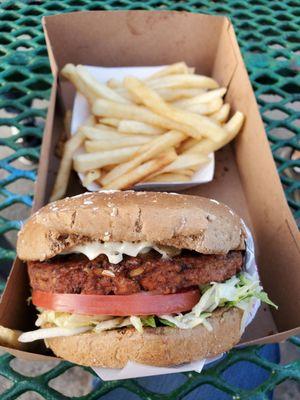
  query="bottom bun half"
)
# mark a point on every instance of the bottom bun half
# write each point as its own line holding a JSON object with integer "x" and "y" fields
{"x": 163, "y": 346}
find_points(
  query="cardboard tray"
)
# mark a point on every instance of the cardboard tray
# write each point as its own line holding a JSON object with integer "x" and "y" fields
{"x": 245, "y": 178}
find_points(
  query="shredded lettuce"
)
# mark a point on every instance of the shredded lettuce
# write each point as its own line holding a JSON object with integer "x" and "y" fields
{"x": 239, "y": 291}
{"x": 137, "y": 323}
{"x": 50, "y": 333}
{"x": 166, "y": 322}
{"x": 109, "y": 324}
{"x": 67, "y": 320}
{"x": 265, "y": 299}
{"x": 149, "y": 321}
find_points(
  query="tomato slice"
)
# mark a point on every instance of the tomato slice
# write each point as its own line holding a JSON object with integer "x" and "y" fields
{"x": 145, "y": 303}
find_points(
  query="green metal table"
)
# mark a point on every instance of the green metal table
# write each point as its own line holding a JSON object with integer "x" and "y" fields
{"x": 268, "y": 33}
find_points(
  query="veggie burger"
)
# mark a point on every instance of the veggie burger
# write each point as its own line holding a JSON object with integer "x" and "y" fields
{"x": 154, "y": 278}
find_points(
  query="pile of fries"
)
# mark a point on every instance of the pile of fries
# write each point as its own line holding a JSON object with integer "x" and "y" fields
{"x": 160, "y": 129}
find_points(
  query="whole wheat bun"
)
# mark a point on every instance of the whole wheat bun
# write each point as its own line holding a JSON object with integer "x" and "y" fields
{"x": 190, "y": 222}
{"x": 164, "y": 346}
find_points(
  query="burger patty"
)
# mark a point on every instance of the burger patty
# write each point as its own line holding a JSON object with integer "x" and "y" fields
{"x": 75, "y": 273}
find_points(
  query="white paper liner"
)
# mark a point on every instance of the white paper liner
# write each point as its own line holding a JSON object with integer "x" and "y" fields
{"x": 81, "y": 112}
{"x": 135, "y": 370}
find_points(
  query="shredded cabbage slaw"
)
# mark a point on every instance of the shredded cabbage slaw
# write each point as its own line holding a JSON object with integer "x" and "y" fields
{"x": 239, "y": 291}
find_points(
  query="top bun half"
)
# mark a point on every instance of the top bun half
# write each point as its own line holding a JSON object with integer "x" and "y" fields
{"x": 183, "y": 221}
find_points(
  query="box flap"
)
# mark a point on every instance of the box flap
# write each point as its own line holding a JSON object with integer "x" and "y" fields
{"x": 121, "y": 38}
{"x": 275, "y": 230}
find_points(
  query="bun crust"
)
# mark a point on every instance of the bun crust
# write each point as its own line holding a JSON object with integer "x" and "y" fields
{"x": 182, "y": 221}
{"x": 164, "y": 346}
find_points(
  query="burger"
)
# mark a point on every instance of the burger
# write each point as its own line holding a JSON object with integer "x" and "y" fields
{"x": 155, "y": 278}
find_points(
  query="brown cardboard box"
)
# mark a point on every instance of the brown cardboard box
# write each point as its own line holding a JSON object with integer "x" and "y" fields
{"x": 245, "y": 178}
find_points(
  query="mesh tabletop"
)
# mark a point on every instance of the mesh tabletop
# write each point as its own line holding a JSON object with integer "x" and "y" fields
{"x": 268, "y": 33}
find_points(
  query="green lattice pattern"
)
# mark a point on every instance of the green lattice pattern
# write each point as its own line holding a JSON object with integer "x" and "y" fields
{"x": 268, "y": 33}
{"x": 210, "y": 376}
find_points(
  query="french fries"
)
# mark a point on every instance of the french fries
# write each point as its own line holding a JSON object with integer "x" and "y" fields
{"x": 97, "y": 145}
{"x": 184, "y": 161}
{"x": 69, "y": 71}
{"x": 136, "y": 127}
{"x": 177, "y": 68}
{"x": 160, "y": 129}
{"x": 62, "y": 178}
{"x": 9, "y": 338}
{"x": 111, "y": 122}
{"x": 222, "y": 115}
{"x": 184, "y": 81}
{"x": 203, "y": 98}
{"x": 201, "y": 125}
{"x": 145, "y": 153}
{"x": 204, "y": 108}
{"x": 187, "y": 144}
{"x": 88, "y": 161}
{"x": 207, "y": 146}
{"x": 89, "y": 86}
{"x": 171, "y": 177}
{"x": 178, "y": 94}
{"x": 142, "y": 114}
{"x": 142, "y": 171}
{"x": 91, "y": 176}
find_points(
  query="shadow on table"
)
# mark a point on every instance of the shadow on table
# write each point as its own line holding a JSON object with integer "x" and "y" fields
{"x": 242, "y": 375}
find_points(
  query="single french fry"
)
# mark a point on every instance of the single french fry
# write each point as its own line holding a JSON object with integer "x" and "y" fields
{"x": 204, "y": 108}
{"x": 141, "y": 172}
{"x": 67, "y": 128}
{"x": 106, "y": 128}
{"x": 62, "y": 178}
{"x": 187, "y": 171}
{"x": 106, "y": 108}
{"x": 184, "y": 81}
{"x": 195, "y": 168}
{"x": 232, "y": 127}
{"x": 136, "y": 127}
{"x": 186, "y": 161}
{"x": 187, "y": 144}
{"x": 114, "y": 122}
{"x": 168, "y": 177}
{"x": 99, "y": 89}
{"x": 91, "y": 176}
{"x": 67, "y": 121}
{"x": 108, "y": 168}
{"x": 92, "y": 133}
{"x": 87, "y": 161}
{"x": 114, "y": 83}
{"x": 202, "y": 125}
{"x": 119, "y": 88}
{"x": 97, "y": 145}
{"x": 175, "y": 81}
{"x": 90, "y": 121}
{"x": 178, "y": 94}
{"x": 221, "y": 115}
{"x": 204, "y": 146}
{"x": 177, "y": 68}
{"x": 69, "y": 71}
{"x": 168, "y": 94}
{"x": 124, "y": 93}
{"x": 96, "y": 133}
{"x": 145, "y": 152}
{"x": 205, "y": 97}
{"x": 9, "y": 338}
